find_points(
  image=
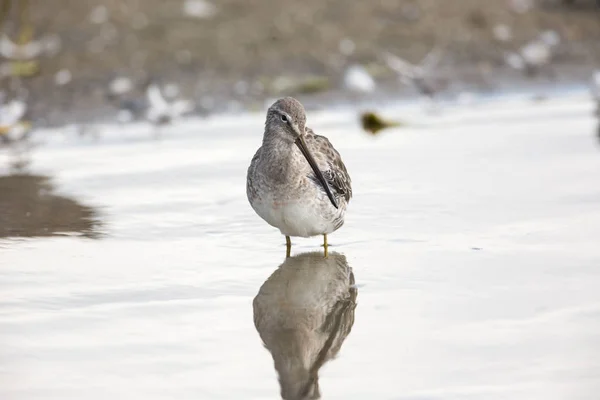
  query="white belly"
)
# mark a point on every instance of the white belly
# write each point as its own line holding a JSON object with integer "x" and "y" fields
{"x": 302, "y": 219}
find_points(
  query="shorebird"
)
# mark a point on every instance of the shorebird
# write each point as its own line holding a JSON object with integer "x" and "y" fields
{"x": 421, "y": 75}
{"x": 155, "y": 108}
{"x": 303, "y": 313}
{"x": 297, "y": 181}
{"x": 162, "y": 112}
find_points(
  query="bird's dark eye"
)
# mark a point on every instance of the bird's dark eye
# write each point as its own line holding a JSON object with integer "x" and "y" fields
{"x": 284, "y": 118}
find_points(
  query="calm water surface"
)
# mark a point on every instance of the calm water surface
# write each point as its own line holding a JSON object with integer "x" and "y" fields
{"x": 468, "y": 268}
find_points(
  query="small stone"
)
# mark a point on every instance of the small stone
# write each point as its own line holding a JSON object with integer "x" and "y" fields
{"x": 120, "y": 85}
{"x": 347, "y": 47}
{"x": 199, "y": 9}
{"x": 62, "y": 77}
{"x": 357, "y": 78}
{"x": 502, "y": 33}
{"x": 514, "y": 61}
{"x": 99, "y": 15}
{"x": 536, "y": 53}
{"x": 52, "y": 45}
{"x": 550, "y": 37}
{"x": 520, "y": 6}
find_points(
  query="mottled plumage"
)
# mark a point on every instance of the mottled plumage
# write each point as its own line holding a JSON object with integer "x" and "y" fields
{"x": 335, "y": 171}
{"x": 297, "y": 181}
{"x": 303, "y": 314}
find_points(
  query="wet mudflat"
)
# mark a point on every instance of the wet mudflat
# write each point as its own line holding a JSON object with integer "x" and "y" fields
{"x": 472, "y": 242}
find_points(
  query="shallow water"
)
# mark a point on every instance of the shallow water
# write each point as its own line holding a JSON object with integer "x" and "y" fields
{"x": 472, "y": 239}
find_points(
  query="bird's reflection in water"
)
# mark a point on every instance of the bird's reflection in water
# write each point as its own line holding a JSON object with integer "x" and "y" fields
{"x": 303, "y": 314}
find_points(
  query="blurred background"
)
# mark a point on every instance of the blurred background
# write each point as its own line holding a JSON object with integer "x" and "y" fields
{"x": 131, "y": 261}
{"x": 227, "y": 54}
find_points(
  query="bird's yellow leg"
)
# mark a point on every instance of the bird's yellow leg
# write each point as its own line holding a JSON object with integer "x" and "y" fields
{"x": 288, "y": 246}
{"x": 325, "y": 244}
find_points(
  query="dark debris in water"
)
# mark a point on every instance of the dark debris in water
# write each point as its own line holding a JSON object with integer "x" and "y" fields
{"x": 30, "y": 208}
{"x": 373, "y": 123}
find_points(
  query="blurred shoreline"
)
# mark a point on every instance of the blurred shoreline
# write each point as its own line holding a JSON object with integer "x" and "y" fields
{"x": 233, "y": 55}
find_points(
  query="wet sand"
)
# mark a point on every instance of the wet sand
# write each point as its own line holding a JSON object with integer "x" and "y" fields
{"x": 29, "y": 207}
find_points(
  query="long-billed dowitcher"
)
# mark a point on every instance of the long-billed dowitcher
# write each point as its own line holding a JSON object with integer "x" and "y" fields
{"x": 297, "y": 181}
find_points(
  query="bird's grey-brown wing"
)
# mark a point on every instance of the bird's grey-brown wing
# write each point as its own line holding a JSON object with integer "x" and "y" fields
{"x": 250, "y": 188}
{"x": 331, "y": 164}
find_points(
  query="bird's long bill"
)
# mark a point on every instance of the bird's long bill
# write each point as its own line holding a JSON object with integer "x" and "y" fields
{"x": 304, "y": 149}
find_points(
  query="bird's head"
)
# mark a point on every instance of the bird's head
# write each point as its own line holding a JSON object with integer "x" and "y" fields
{"x": 286, "y": 120}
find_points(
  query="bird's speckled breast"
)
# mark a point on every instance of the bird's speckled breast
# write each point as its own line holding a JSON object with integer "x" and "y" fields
{"x": 298, "y": 213}
{"x": 283, "y": 191}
